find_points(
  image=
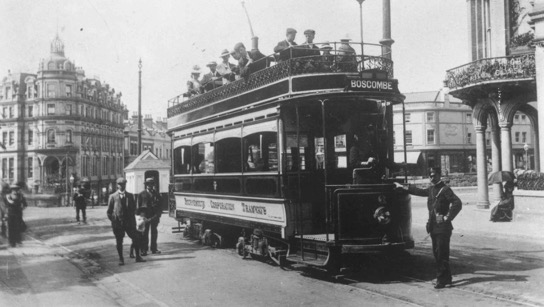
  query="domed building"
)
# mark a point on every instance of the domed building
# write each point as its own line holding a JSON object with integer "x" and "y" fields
{"x": 60, "y": 127}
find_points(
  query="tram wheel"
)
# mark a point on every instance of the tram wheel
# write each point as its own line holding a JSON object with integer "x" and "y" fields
{"x": 241, "y": 247}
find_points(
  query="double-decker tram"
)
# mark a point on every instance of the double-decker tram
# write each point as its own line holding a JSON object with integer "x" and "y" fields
{"x": 295, "y": 159}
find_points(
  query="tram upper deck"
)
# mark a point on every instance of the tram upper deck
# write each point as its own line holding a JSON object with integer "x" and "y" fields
{"x": 299, "y": 73}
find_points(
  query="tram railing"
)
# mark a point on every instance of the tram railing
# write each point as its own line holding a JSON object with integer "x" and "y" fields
{"x": 341, "y": 58}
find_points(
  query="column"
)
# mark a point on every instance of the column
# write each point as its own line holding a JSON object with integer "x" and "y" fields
{"x": 536, "y": 142}
{"x": 481, "y": 162}
{"x": 537, "y": 16}
{"x": 506, "y": 147}
{"x": 496, "y": 160}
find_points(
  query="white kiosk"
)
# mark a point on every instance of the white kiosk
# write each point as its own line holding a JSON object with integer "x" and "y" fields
{"x": 147, "y": 165}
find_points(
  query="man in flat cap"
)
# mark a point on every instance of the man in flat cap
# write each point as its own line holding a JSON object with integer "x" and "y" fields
{"x": 122, "y": 214}
{"x": 249, "y": 62}
{"x": 149, "y": 200}
{"x": 212, "y": 79}
{"x": 309, "y": 43}
{"x": 225, "y": 68}
{"x": 285, "y": 47}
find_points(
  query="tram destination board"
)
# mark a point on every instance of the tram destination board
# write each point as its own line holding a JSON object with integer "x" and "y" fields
{"x": 372, "y": 85}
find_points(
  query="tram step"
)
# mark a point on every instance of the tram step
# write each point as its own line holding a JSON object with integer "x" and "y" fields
{"x": 179, "y": 229}
{"x": 307, "y": 259}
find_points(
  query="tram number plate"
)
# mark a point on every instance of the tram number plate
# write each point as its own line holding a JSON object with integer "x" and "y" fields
{"x": 372, "y": 85}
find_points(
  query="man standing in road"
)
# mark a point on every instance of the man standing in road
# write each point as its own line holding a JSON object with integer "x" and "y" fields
{"x": 150, "y": 200}
{"x": 121, "y": 212}
{"x": 443, "y": 206}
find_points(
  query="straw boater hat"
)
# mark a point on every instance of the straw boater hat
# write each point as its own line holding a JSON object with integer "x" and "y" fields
{"x": 149, "y": 181}
{"x": 326, "y": 45}
{"x": 225, "y": 53}
{"x": 196, "y": 69}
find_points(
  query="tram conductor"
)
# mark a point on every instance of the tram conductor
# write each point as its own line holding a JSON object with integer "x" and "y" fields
{"x": 443, "y": 206}
{"x": 121, "y": 212}
{"x": 149, "y": 199}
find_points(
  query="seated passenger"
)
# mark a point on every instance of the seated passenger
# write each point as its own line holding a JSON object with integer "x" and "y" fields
{"x": 312, "y": 49}
{"x": 225, "y": 68}
{"x": 193, "y": 85}
{"x": 503, "y": 211}
{"x": 327, "y": 59}
{"x": 255, "y": 161}
{"x": 347, "y": 59}
{"x": 212, "y": 79}
{"x": 285, "y": 47}
{"x": 249, "y": 62}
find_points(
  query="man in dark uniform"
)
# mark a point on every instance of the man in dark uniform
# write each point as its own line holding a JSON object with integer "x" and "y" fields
{"x": 150, "y": 200}
{"x": 443, "y": 206}
{"x": 122, "y": 214}
{"x": 284, "y": 49}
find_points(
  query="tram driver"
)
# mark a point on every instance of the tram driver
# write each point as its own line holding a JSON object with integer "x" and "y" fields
{"x": 362, "y": 155}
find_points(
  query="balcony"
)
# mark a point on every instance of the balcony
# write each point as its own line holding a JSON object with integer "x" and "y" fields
{"x": 491, "y": 71}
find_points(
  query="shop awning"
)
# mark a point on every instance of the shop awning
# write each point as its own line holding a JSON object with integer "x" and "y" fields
{"x": 411, "y": 156}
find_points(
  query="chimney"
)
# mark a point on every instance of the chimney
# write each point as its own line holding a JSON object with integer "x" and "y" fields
{"x": 148, "y": 120}
{"x": 135, "y": 116}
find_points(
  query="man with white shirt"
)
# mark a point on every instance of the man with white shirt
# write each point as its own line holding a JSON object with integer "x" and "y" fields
{"x": 121, "y": 212}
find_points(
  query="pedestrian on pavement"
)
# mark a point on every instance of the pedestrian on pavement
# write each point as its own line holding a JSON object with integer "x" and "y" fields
{"x": 80, "y": 204}
{"x": 503, "y": 211}
{"x": 443, "y": 206}
{"x": 149, "y": 199}
{"x": 140, "y": 229}
{"x": 121, "y": 212}
{"x": 3, "y": 210}
{"x": 15, "y": 203}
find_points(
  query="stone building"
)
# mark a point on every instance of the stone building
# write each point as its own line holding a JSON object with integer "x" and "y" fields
{"x": 154, "y": 138}
{"x": 500, "y": 84}
{"x": 59, "y": 126}
{"x": 440, "y": 132}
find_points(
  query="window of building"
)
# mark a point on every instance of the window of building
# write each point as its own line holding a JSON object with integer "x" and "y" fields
{"x": 51, "y": 91}
{"x": 516, "y": 118}
{"x": 68, "y": 109}
{"x": 407, "y": 117}
{"x": 517, "y": 137}
{"x": 30, "y": 137}
{"x": 430, "y": 116}
{"x": 5, "y": 138}
{"x": 51, "y": 109}
{"x": 408, "y": 137}
{"x": 30, "y": 167}
{"x": 523, "y": 118}
{"x": 68, "y": 136}
{"x": 30, "y": 111}
{"x": 11, "y": 168}
{"x": 5, "y": 112}
{"x": 430, "y": 136}
{"x": 524, "y": 137}
{"x": 51, "y": 136}
{"x": 487, "y": 138}
{"x": 11, "y": 115}
{"x": 11, "y": 138}
{"x": 68, "y": 90}
{"x": 469, "y": 138}
{"x": 468, "y": 117}
{"x": 4, "y": 168}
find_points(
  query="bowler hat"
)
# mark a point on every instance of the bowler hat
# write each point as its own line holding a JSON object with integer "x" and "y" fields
{"x": 309, "y": 31}
{"x": 121, "y": 180}
{"x": 238, "y": 46}
{"x": 225, "y": 53}
{"x": 212, "y": 63}
{"x": 290, "y": 30}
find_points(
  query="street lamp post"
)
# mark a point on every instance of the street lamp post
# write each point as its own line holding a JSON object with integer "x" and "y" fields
{"x": 361, "y": 21}
{"x": 526, "y": 148}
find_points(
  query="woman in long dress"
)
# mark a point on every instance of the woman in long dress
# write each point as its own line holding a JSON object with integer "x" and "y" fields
{"x": 502, "y": 212}
{"x": 14, "y": 203}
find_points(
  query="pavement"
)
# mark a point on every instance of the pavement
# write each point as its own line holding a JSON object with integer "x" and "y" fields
{"x": 57, "y": 264}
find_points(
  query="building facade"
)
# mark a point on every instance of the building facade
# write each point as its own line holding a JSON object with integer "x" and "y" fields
{"x": 500, "y": 84}
{"x": 154, "y": 138}
{"x": 60, "y": 127}
{"x": 440, "y": 132}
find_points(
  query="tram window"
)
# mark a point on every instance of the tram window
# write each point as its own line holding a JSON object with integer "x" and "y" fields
{"x": 261, "y": 186}
{"x": 340, "y": 151}
{"x": 182, "y": 184}
{"x": 296, "y": 155}
{"x": 202, "y": 158}
{"x": 319, "y": 153}
{"x": 228, "y": 152}
{"x": 182, "y": 160}
{"x": 261, "y": 152}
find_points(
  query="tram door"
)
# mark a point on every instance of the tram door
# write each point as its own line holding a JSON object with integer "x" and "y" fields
{"x": 304, "y": 166}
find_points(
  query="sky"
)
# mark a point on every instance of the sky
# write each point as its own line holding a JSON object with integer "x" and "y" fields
{"x": 107, "y": 38}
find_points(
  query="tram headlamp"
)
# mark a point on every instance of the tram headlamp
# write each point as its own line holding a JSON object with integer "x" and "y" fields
{"x": 382, "y": 216}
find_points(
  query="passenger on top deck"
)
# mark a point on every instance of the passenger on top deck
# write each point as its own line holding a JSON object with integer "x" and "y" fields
{"x": 327, "y": 61}
{"x": 285, "y": 47}
{"x": 248, "y": 62}
{"x": 347, "y": 59}
{"x": 193, "y": 85}
{"x": 225, "y": 68}
{"x": 212, "y": 79}
{"x": 313, "y": 50}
